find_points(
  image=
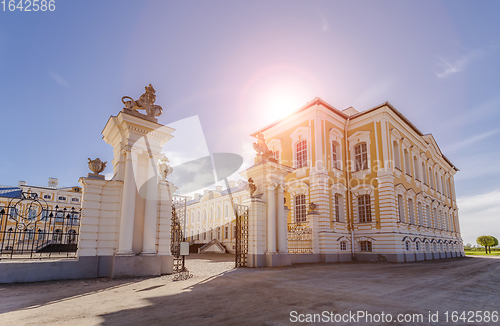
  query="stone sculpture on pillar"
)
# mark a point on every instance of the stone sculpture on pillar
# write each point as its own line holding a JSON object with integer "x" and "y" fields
{"x": 145, "y": 102}
{"x": 163, "y": 168}
{"x": 96, "y": 166}
{"x": 264, "y": 154}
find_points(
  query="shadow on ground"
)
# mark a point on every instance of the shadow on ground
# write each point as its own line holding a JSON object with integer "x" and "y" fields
{"x": 267, "y": 296}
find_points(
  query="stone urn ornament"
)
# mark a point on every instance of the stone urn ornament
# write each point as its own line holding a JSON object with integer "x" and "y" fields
{"x": 96, "y": 166}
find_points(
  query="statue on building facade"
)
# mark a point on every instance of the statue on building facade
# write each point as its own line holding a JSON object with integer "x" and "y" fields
{"x": 251, "y": 186}
{"x": 145, "y": 102}
{"x": 163, "y": 168}
{"x": 261, "y": 148}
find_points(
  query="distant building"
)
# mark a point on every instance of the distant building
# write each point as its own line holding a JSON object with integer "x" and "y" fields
{"x": 23, "y": 225}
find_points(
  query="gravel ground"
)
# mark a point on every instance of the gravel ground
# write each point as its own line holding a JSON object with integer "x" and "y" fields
{"x": 219, "y": 294}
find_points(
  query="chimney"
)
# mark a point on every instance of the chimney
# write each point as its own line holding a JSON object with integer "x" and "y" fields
{"x": 232, "y": 184}
{"x": 197, "y": 196}
{"x": 22, "y": 183}
{"x": 205, "y": 191}
{"x": 218, "y": 188}
{"x": 53, "y": 182}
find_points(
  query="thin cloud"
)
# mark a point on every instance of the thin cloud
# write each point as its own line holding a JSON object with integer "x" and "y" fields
{"x": 325, "y": 25}
{"x": 59, "y": 79}
{"x": 449, "y": 68}
{"x": 479, "y": 215}
{"x": 472, "y": 140}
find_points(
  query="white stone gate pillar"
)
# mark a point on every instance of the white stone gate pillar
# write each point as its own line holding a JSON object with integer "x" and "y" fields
{"x": 127, "y": 219}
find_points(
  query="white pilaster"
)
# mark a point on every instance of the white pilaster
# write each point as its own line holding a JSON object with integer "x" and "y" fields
{"x": 281, "y": 222}
{"x": 271, "y": 219}
{"x": 151, "y": 210}
{"x": 127, "y": 207}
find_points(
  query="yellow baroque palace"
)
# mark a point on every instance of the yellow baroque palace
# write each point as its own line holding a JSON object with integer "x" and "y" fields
{"x": 387, "y": 189}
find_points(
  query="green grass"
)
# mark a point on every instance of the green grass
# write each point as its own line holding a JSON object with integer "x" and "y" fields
{"x": 479, "y": 252}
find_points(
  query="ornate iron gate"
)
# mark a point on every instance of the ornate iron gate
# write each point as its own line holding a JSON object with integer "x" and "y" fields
{"x": 177, "y": 236}
{"x": 30, "y": 229}
{"x": 241, "y": 213}
{"x": 299, "y": 238}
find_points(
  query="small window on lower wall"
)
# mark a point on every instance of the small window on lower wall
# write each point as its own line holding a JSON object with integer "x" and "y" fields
{"x": 343, "y": 245}
{"x": 407, "y": 245}
{"x": 366, "y": 246}
{"x": 417, "y": 246}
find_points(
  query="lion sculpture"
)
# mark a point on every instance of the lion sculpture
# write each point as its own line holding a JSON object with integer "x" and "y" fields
{"x": 145, "y": 102}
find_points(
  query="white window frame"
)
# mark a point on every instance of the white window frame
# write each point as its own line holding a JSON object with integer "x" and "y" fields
{"x": 335, "y": 136}
{"x": 299, "y": 134}
{"x": 355, "y": 139}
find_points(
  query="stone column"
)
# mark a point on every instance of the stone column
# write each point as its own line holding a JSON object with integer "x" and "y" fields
{"x": 281, "y": 222}
{"x": 271, "y": 219}
{"x": 151, "y": 210}
{"x": 127, "y": 207}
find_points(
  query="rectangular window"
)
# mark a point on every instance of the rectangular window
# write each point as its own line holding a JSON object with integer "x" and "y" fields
{"x": 420, "y": 214}
{"x": 301, "y": 152}
{"x": 411, "y": 212}
{"x": 428, "y": 213}
{"x": 407, "y": 162}
{"x": 337, "y": 209}
{"x": 47, "y": 196}
{"x": 424, "y": 174}
{"x": 334, "y": 155}
{"x": 75, "y": 200}
{"x": 361, "y": 157}
{"x": 397, "y": 154}
{"x": 62, "y": 198}
{"x": 401, "y": 208}
{"x": 415, "y": 166}
{"x": 300, "y": 209}
{"x": 226, "y": 232}
{"x": 364, "y": 209}
{"x": 343, "y": 245}
{"x": 366, "y": 246}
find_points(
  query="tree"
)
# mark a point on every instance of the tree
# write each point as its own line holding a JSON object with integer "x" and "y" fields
{"x": 495, "y": 243}
{"x": 486, "y": 241}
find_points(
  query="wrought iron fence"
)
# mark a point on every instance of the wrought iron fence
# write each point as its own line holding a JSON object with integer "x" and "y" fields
{"x": 30, "y": 229}
{"x": 299, "y": 238}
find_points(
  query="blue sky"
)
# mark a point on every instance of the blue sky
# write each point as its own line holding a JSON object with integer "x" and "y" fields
{"x": 231, "y": 63}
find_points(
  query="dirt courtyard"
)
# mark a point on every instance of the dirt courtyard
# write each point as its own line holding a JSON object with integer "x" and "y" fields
{"x": 220, "y": 295}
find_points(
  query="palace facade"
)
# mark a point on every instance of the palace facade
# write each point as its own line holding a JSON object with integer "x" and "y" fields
{"x": 384, "y": 190}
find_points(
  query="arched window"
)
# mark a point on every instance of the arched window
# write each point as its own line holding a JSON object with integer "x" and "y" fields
{"x": 431, "y": 181}
{"x": 198, "y": 216}
{"x": 427, "y": 247}
{"x": 218, "y": 212}
{"x": 417, "y": 246}
{"x": 343, "y": 245}
{"x": 300, "y": 208}
{"x": 407, "y": 245}
{"x": 397, "y": 160}
{"x": 364, "y": 209}
{"x": 435, "y": 246}
{"x": 211, "y": 214}
{"x": 204, "y": 234}
{"x": 436, "y": 219}
{"x": 366, "y": 246}
{"x": 301, "y": 154}
{"x": 226, "y": 211}
{"x": 360, "y": 157}
{"x": 204, "y": 215}
{"x": 411, "y": 211}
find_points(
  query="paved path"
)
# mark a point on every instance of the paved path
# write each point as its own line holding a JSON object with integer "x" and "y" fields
{"x": 221, "y": 295}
